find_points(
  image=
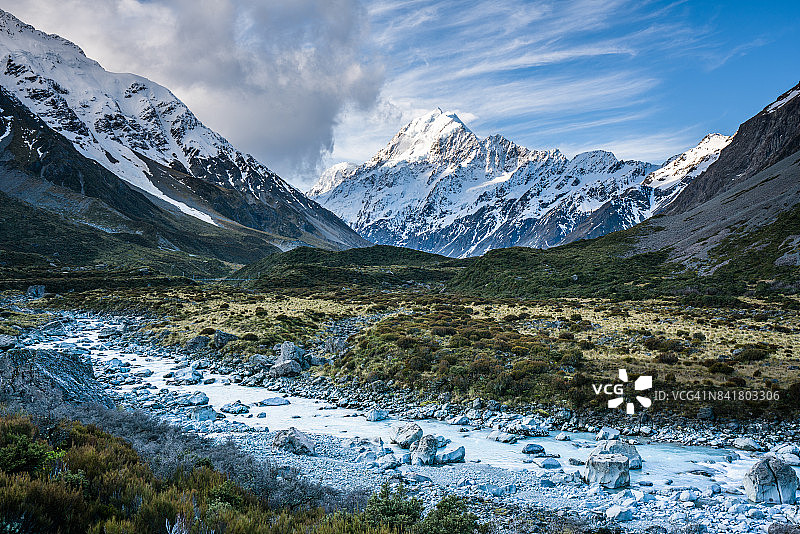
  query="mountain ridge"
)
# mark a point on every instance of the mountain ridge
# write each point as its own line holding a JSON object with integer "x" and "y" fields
{"x": 439, "y": 188}
{"x": 125, "y": 122}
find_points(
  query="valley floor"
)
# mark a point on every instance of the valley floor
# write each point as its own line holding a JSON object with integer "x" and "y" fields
{"x": 692, "y": 472}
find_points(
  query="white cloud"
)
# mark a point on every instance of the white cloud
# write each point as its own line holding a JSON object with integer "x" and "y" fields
{"x": 272, "y": 76}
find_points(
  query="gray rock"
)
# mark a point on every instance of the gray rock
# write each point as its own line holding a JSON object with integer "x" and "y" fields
{"x": 197, "y": 398}
{"x": 783, "y": 528}
{"x": 746, "y": 444}
{"x": 619, "y": 513}
{"x": 424, "y": 451}
{"x": 143, "y": 373}
{"x": 607, "y": 433}
{"x": 406, "y": 434}
{"x": 533, "y": 448}
{"x": 7, "y": 342}
{"x": 35, "y": 292}
{"x": 608, "y": 470}
{"x": 459, "y": 420}
{"x": 562, "y": 436}
{"x": 287, "y": 368}
{"x": 377, "y": 415}
{"x": 294, "y": 441}
{"x": 274, "y": 401}
{"x": 451, "y": 457}
{"x": 223, "y": 338}
{"x": 616, "y": 446}
{"x": 550, "y": 463}
{"x": 292, "y": 353}
{"x": 198, "y": 343}
{"x": 503, "y": 437}
{"x": 235, "y": 408}
{"x": 771, "y": 481}
{"x": 204, "y": 413}
{"x": 187, "y": 376}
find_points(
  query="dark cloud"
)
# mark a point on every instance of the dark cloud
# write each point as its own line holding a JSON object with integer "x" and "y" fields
{"x": 273, "y": 77}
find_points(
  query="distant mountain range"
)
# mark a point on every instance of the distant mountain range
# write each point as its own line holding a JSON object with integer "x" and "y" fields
{"x": 437, "y": 187}
{"x": 137, "y": 161}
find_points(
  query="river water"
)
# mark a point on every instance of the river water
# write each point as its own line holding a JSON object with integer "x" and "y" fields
{"x": 662, "y": 461}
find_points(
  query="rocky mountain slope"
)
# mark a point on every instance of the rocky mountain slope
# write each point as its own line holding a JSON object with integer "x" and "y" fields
{"x": 140, "y": 132}
{"x": 437, "y": 187}
{"x": 762, "y": 141}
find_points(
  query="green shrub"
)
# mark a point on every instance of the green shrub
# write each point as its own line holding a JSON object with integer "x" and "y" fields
{"x": 449, "y": 517}
{"x": 393, "y": 509}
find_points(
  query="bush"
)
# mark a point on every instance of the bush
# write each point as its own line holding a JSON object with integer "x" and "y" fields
{"x": 449, "y": 517}
{"x": 20, "y": 451}
{"x": 393, "y": 509}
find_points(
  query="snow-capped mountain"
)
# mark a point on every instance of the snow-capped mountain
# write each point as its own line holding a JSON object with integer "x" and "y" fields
{"x": 437, "y": 187}
{"x": 143, "y": 134}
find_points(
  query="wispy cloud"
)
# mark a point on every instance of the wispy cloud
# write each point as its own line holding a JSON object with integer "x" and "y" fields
{"x": 537, "y": 72}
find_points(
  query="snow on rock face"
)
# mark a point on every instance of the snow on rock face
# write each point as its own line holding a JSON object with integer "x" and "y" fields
{"x": 112, "y": 117}
{"x": 437, "y": 187}
{"x": 783, "y": 99}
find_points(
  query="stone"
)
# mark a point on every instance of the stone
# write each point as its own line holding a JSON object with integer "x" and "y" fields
{"x": 294, "y": 441}
{"x": 783, "y": 528}
{"x": 287, "y": 368}
{"x": 204, "y": 413}
{"x": 608, "y": 470}
{"x": 451, "y": 457}
{"x": 143, "y": 373}
{"x": 424, "y": 451}
{"x": 459, "y": 420}
{"x": 503, "y": 437}
{"x": 262, "y": 415}
{"x": 616, "y": 446}
{"x": 563, "y": 436}
{"x": 550, "y": 463}
{"x": 687, "y": 496}
{"x": 366, "y": 456}
{"x": 187, "y": 376}
{"x": 607, "y": 433}
{"x": 377, "y": 415}
{"x": 198, "y": 398}
{"x": 746, "y": 444}
{"x": 235, "y": 408}
{"x": 223, "y": 338}
{"x": 533, "y": 448}
{"x": 198, "y": 343}
{"x": 292, "y": 353}
{"x": 619, "y": 513}
{"x": 7, "y": 342}
{"x": 406, "y": 434}
{"x": 771, "y": 481}
{"x": 274, "y": 401}
{"x": 388, "y": 461}
{"x": 35, "y": 292}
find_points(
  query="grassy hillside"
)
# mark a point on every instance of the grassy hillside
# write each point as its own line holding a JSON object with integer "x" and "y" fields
{"x": 377, "y": 266}
{"x": 42, "y": 247}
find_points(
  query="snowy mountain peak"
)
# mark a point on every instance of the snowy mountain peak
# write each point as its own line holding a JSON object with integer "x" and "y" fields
{"x": 436, "y": 187}
{"x": 435, "y": 132}
{"x": 332, "y": 177}
{"x": 686, "y": 166}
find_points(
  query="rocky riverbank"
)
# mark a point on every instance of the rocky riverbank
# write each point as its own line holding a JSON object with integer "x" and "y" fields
{"x": 175, "y": 384}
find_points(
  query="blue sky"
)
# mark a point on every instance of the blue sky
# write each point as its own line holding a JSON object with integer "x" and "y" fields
{"x": 643, "y": 79}
{"x": 302, "y": 84}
